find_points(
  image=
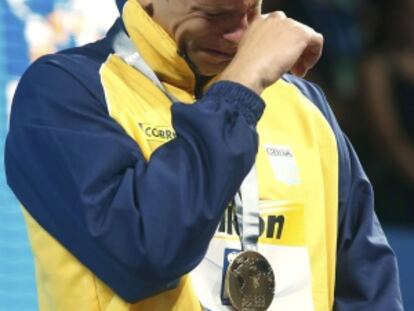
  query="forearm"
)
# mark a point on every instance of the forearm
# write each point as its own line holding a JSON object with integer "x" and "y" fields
{"x": 128, "y": 220}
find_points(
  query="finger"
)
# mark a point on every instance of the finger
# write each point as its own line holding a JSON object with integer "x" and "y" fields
{"x": 310, "y": 56}
{"x": 313, "y": 51}
{"x": 277, "y": 15}
{"x": 299, "y": 70}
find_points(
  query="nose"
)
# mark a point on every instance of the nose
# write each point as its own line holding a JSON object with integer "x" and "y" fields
{"x": 235, "y": 33}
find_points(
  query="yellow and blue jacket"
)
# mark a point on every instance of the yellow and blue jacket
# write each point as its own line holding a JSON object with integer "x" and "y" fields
{"x": 126, "y": 194}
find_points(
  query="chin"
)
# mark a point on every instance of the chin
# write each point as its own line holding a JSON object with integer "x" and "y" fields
{"x": 206, "y": 65}
{"x": 209, "y": 72}
{"x": 210, "y": 69}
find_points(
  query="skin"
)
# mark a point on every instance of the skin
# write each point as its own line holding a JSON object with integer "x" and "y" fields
{"x": 231, "y": 39}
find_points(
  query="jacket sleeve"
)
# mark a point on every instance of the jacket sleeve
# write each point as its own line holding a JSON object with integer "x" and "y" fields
{"x": 138, "y": 225}
{"x": 367, "y": 275}
{"x": 367, "y": 272}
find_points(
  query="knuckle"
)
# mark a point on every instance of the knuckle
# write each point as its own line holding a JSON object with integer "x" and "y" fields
{"x": 321, "y": 37}
{"x": 277, "y": 15}
{"x": 294, "y": 23}
{"x": 281, "y": 14}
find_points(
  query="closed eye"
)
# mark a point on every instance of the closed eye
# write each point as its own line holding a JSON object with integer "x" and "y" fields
{"x": 214, "y": 14}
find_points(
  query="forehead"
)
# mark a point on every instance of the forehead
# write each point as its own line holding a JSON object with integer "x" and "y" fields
{"x": 226, "y": 4}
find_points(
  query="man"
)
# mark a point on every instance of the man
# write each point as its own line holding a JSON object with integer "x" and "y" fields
{"x": 125, "y": 193}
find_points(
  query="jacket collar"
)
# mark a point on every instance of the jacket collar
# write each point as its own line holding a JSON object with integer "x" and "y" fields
{"x": 156, "y": 47}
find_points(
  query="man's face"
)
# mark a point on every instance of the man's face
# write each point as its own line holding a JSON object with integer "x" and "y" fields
{"x": 208, "y": 31}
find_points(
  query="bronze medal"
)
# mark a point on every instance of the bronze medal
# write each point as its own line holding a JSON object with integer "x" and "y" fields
{"x": 250, "y": 282}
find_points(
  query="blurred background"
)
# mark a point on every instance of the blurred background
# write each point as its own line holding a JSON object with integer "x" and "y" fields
{"x": 367, "y": 72}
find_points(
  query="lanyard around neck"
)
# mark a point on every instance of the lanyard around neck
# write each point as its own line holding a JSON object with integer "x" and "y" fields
{"x": 125, "y": 48}
{"x": 247, "y": 211}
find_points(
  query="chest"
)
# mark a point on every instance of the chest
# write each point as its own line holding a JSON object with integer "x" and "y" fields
{"x": 297, "y": 176}
{"x": 293, "y": 139}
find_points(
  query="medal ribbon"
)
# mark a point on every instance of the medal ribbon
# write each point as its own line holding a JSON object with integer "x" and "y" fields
{"x": 125, "y": 48}
{"x": 247, "y": 200}
{"x": 247, "y": 211}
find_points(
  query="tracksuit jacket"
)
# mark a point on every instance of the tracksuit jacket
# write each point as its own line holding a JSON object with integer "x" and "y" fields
{"x": 127, "y": 195}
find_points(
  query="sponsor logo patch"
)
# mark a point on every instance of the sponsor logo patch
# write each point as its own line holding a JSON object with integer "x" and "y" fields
{"x": 280, "y": 223}
{"x": 283, "y": 163}
{"x": 158, "y": 132}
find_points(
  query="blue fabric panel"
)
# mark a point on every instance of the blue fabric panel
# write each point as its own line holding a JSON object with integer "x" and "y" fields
{"x": 120, "y": 4}
{"x": 367, "y": 272}
{"x": 96, "y": 194}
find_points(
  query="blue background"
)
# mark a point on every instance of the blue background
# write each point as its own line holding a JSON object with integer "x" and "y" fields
{"x": 17, "y": 290}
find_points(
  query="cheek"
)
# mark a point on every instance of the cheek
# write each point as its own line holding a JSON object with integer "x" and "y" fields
{"x": 196, "y": 34}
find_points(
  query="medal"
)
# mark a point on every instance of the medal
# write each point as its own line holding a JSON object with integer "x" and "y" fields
{"x": 250, "y": 282}
{"x": 249, "y": 279}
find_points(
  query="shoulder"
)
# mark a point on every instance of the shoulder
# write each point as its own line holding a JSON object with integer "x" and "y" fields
{"x": 81, "y": 64}
{"x": 346, "y": 153}
{"x": 316, "y": 96}
{"x": 64, "y": 82}
{"x": 314, "y": 93}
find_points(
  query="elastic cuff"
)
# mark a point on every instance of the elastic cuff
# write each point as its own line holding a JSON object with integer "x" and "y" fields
{"x": 247, "y": 102}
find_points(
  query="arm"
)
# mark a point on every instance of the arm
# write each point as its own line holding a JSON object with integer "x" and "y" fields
{"x": 367, "y": 275}
{"x": 85, "y": 181}
{"x": 366, "y": 268}
{"x": 367, "y": 272}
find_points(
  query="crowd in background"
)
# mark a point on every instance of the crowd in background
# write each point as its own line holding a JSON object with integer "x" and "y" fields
{"x": 367, "y": 72}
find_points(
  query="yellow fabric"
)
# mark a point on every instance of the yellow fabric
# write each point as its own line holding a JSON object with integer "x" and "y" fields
{"x": 64, "y": 284}
{"x": 161, "y": 54}
{"x": 144, "y": 112}
{"x": 290, "y": 117}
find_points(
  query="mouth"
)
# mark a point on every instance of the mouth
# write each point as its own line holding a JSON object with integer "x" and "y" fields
{"x": 225, "y": 55}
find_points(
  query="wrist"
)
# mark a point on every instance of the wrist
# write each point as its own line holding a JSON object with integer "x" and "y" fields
{"x": 243, "y": 77}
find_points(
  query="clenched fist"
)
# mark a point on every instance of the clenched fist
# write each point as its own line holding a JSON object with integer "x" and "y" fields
{"x": 273, "y": 45}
